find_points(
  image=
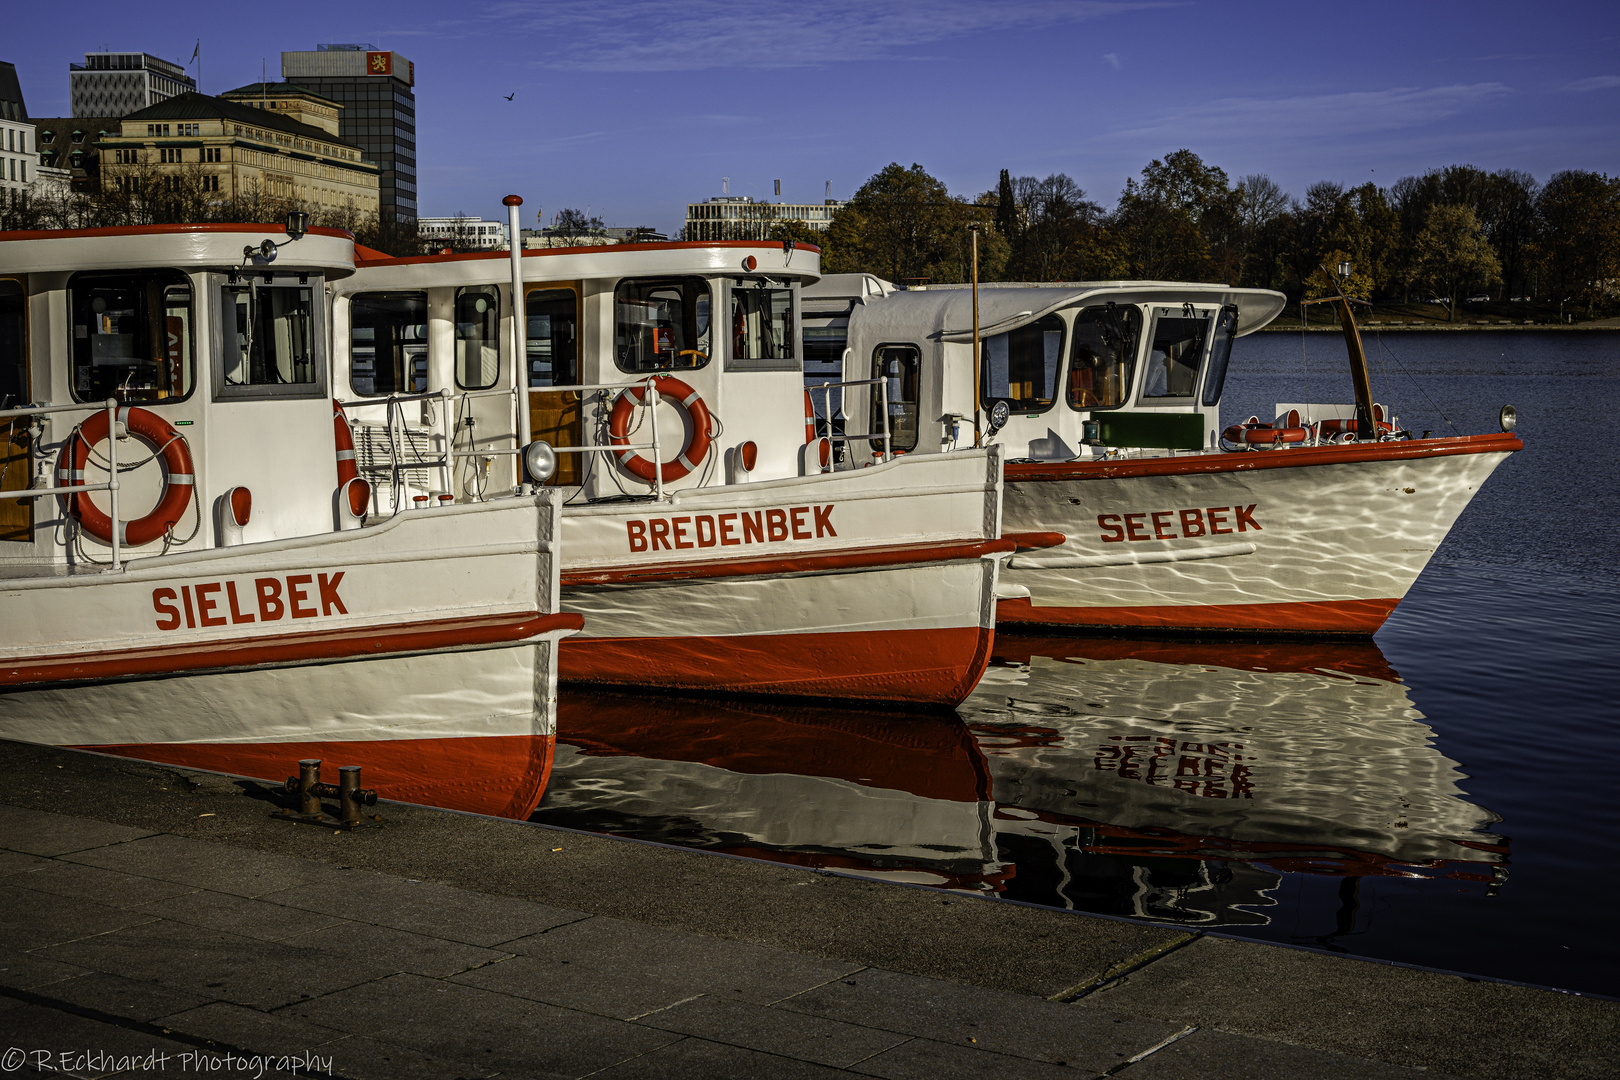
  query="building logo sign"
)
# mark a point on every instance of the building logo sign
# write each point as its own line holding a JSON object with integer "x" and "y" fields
{"x": 379, "y": 63}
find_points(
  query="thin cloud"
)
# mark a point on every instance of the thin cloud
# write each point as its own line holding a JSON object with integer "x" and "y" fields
{"x": 653, "y": 35}
{"x": 1113, "y": 60}
{"x": 1596, "y": 82}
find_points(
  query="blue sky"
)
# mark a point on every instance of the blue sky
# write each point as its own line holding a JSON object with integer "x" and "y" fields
{"x": 637, "y": 107}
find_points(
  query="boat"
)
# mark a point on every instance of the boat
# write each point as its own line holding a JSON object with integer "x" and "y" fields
{"x": 1139, "y": 510}
{"x": 707, "y": 542}
{"x": 191, "y": 570}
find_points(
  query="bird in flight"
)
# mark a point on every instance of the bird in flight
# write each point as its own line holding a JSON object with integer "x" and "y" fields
{"x": 512, "y": 95}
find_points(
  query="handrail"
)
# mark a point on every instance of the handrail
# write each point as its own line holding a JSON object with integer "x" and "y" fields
{"x": 650, "y": 401}
{"x": 883, "y": 411}
{"x": 111, "y": 486}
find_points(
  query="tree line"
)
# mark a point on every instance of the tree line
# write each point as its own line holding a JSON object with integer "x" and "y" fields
{"x": 1445, "y": 234}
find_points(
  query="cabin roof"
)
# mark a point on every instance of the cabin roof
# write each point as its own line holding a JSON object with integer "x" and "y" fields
{"x": 946, "y": 312}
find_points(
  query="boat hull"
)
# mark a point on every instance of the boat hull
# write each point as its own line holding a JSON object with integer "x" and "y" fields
{"x": 1319, "y": 541}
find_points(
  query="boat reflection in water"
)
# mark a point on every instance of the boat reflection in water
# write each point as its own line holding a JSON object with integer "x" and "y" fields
{"x": 1166, "y": 780}
{"x": 1180, "y": 781}
{"x": 896, "y": 795}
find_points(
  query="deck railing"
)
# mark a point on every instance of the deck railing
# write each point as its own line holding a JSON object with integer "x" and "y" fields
{"x": 111, "y": 486}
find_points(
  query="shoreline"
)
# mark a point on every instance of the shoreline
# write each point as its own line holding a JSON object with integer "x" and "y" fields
{"x": 1612, "y": 326}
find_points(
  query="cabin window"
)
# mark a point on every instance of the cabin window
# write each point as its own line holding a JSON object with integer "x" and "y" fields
{"x": 478, "y": 337}
{"x": 388, "y": 343}
{"x": 1102, "y": 362}
{"x": 1021, "y": 366}
{"x": 661, "y": 325}
{"x": 132, "y": 336}
{"x": 553, "y": 337}
{"x": 1219, "y": 353}
{"x": 14, "y": 391}
{"x": 825, "y": 337}
{"x": 900, "y": 367}
{"x": 762, "y": 329}
{"x": 1179, "y": 337}
{"x": 270, "y": 338}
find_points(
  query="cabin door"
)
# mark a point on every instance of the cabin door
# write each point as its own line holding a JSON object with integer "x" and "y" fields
{"x": 16, "y": 465}
{"x": 554, "y": 318}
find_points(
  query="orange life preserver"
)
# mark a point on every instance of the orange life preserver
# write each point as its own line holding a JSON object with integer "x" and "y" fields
{"x": 170, "y": 445}
{"x": 809, "y": 420}
{"x": 693, "y": 451}
{"x": 1257, "y": 434}
{"x": 343, "y": 436}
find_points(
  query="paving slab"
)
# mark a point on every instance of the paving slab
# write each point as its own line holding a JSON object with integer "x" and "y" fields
{"x": 104, "y": 886}
{"x": 203, "y": 865}
{"x": 698, "y": 1059}
{"x": 217, "y": 964}
{"x": 23, "y": 970}
{"x": 427, "y": 907}
{"x": 115, "y": 995}
{"x": 15, "y": 862}
{"x": 1376, "y": 1011}
{"x": 464, "y": 1023}
{"x": 981, "y": 1019}
{"x": 399, "y": 950}
{"x": 36, "y": 832}
{"x": 54, "y": 1042}
{"x": 251, "y": 1029}
{"x": 33, "y": 920}
{"x": 924, "y": 1059}
{"x": 774, "y": 1031}
{"x": 1216, "y": 1055}
{"x": 239, "y": 915}
{"x": 360, "y": 1058}
{"x": 652, "y": 968}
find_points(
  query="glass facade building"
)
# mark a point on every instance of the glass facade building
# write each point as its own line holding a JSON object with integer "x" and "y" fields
{"x": 376, "y": 90}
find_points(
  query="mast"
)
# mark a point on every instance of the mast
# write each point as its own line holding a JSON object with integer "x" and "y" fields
{"x": 977, "y": 435}
{"x": 1365, "y": 428}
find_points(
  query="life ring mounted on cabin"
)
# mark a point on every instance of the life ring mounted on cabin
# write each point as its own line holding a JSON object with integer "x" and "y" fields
{"x": 1253, "y": 434}
{"x": 693, "y": 450}
{"x": 178, "y": 482}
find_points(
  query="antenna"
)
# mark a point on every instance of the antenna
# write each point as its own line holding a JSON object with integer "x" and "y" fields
{"x": 725, "y": 185}
{"x": 779, "y": 189}
{"x": 829, "y": 189}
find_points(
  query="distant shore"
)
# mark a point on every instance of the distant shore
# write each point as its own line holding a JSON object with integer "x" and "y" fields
{"x": 1280, "y": 326}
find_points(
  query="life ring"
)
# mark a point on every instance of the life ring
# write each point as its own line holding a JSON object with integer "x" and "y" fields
{"x": 343, "y": 437}
{"x": 809, "y": 420}
{"x": 1257, "y": 434}
{"x": 170, "y": 445}
{"x": 693, "y": 451}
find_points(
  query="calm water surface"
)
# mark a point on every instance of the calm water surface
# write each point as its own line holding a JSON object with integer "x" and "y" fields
{"x": 1444, "y": 795}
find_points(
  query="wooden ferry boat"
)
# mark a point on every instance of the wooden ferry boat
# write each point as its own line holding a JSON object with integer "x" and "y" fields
{"x": 191, "y": 570}
{"x": 1138, "y": 509}
{"x": 707, "y": 542}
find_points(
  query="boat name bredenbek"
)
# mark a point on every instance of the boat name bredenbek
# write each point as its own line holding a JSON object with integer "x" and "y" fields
{"x": 1209, "y": 521}
{"x": 773, "y": 526}
{"x": 274, "y": 601}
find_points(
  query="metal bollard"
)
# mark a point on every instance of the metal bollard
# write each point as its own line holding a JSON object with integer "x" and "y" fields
{"x": 309, "y": 779}
{"x": 308, "y": 791}
{"x": 348, "y": 789}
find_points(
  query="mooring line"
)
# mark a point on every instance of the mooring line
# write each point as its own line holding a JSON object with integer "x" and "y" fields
{"x": 1123, "y": 968}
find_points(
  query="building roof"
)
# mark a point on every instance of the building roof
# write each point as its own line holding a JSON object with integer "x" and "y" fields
{"x": 194, "y": 106}
{"x": 279, "y": 89}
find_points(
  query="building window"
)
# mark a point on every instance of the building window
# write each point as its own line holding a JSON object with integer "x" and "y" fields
{"x": 131, "y": 336}
{"x": 661, "y": 325}
{"x": 478, "y": 337}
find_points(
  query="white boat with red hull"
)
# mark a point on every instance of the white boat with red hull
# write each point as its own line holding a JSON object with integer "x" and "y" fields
{"x": 739, "y": 562}
{"x": 189, "y": 570}
{"x": 1135, "y": 507}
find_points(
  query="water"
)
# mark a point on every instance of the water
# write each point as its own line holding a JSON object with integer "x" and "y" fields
{"x": 1442, "y": 796}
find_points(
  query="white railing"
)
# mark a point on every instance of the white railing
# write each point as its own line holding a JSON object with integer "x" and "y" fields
{"x": 825, "y": 390}
{"x": 649, "y": 402}
{"x": 111, "y": 486}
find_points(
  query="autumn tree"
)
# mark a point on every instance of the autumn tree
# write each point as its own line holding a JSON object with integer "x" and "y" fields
{"x": 903, "y": 225}
{"x": 1451, "y": 255}
{"x": 572, "y": 227}
{"x": 1159, "y": 220}
{"x": 1581, "y": 249}
{"x": 1058, "y": 231}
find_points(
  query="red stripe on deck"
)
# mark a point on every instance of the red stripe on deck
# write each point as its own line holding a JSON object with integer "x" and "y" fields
{"x": 919, "y": 667}
{"x": 1354, "y": 618}
{"x": 815, "y": 562}
{"x": 501, "y": 775}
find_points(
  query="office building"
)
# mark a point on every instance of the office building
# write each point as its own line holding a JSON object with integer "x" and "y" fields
{"x": 376, "y": 91}
{"x": 739, "y": 217}
{"x": 17, "y": 160}
{"x": 462, "y": 232}
{"x": 117, "y": 84}
{"x": 283, "y": 146}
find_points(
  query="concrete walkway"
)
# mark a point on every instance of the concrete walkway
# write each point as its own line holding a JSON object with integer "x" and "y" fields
{"x": 146, "y": 911}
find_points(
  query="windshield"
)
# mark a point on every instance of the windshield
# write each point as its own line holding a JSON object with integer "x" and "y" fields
{"x": 1103, "y": 361}
{"x": 1178, "y": 348}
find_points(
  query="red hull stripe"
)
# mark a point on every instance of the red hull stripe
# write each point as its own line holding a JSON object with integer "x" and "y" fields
{"x": 348, "y": 643}
{"x": 1295, "y": 457}
{"x": 919, "y": 667}
{"x": 542, "y": 253}
{"x": 1031, "y": 541}
{"x": 159, "y": 230}
{"x": 1360, "y": 618}
{"x": 778, "y": 566}
{"x": 503, "y": 775}
{"x": 1357, "y": 658}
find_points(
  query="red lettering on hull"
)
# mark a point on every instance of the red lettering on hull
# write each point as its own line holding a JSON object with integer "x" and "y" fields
{"x": 743, "y": 527}
{"x": 268, "y": 599}
{"x": 1175, "y": 524}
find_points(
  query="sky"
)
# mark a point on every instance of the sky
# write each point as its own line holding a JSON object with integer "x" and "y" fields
{"x": 633, "y": 109}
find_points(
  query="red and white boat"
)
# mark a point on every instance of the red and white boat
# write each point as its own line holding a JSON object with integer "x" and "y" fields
{"x": 1137, "y": 509}
{"x": 232, "y": 602}
{"x": 740, "y": 562}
